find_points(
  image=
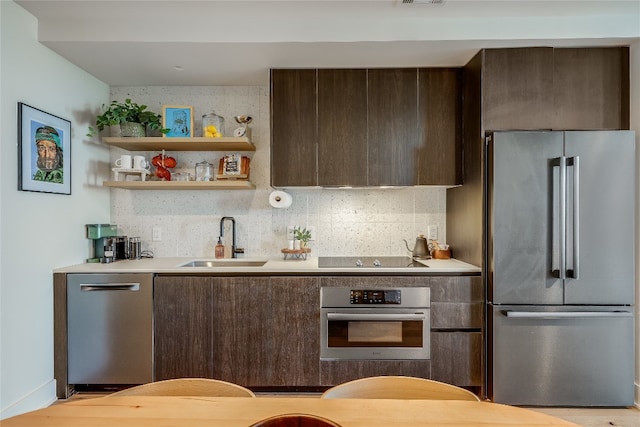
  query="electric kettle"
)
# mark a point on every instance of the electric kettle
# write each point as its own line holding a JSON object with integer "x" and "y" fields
{"x": 421, "y": 248}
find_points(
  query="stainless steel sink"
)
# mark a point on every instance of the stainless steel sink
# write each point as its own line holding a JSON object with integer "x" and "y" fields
{"x": 224, "y": 263}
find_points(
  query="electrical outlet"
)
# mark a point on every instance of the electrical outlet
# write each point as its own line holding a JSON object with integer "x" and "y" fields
{"x": 156, "y": 235}
{"x": 432, "y": 233}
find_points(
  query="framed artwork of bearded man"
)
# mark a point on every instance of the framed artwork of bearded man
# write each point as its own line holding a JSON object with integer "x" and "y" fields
{"x": 44, "y": 151}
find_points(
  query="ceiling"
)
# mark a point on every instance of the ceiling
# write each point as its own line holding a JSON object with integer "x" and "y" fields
{"x": 210, "y": 43}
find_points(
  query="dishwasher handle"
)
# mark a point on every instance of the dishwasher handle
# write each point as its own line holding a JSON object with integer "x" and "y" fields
{"x": 94, "y": 287}
{"x": 386, "y": 317}
{"x": 566, "y": 314}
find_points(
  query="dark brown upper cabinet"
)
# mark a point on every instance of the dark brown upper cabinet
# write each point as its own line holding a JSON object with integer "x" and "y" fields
{"x": 439, "y": 127}
{"x": 591, "y": 88}
{"x": 366, "y": 127}
{"x": 517, "y": 88}
{"x": 555, "y": 88}
{"x": 392, "y": 126}
{"x": 293, "y": 127}
{"x": 342, "y": 127}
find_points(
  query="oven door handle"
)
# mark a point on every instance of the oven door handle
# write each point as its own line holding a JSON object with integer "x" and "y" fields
{"x": 376, "y": 316}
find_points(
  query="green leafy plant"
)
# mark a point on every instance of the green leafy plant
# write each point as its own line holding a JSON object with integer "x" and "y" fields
{"x": 302, "y": 234}
{"x": 122, "y": 112}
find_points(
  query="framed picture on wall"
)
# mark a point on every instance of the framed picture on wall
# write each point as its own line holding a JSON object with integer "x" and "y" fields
{"x": 178, "y": 119}
{"x": 44, "y": 151}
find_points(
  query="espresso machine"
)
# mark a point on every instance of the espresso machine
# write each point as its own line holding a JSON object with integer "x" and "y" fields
{"x": 105, "y": 242}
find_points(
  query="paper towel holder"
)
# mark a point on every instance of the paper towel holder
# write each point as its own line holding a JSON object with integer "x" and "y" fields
{"x": 280, "y": 199}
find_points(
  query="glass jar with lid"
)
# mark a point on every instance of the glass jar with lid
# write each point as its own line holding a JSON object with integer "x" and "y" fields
{"x": 212, "y": 125}
{"x": 204, "y": 171}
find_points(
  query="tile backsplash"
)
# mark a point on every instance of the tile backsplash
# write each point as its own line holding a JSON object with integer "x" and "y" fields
{"x": 347, "y": 222}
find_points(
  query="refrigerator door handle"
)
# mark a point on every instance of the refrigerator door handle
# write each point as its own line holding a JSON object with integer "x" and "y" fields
{"x": 575, "y": 163}
{"x": 560, "y": 272}
{"x": 566, "y": 314}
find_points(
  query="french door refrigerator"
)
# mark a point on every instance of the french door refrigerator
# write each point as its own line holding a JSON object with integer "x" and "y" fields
{"x": 559, "y": 227}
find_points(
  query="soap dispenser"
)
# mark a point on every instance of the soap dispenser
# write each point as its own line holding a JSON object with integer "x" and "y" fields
{"x": 220, "y": 248}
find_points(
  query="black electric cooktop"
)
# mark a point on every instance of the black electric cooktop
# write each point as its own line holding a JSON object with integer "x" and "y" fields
{"x": 368, "y": 262}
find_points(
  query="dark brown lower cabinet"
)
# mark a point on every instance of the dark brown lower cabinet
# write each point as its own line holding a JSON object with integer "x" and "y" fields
{"x": 266, "y": 331}
{"x": 456, "y": 356}
{"x": 183, "y": 327}
{"x": 261, "y": 331}
{"x": 254, "y": 331}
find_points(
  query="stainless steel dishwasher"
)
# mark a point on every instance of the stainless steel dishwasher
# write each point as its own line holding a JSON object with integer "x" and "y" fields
{"x": 110, "y": 328}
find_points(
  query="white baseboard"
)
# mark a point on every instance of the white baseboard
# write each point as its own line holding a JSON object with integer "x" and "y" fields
{"x": 39, "y": 398}
{"x": 637, "y": 396}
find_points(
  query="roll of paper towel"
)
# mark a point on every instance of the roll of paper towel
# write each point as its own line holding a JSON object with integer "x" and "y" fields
{"x": 280, "y": 199}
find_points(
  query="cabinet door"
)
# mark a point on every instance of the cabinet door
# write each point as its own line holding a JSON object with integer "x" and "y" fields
{"x": 240, "y": 308}
{"x": 440, "y": 127}
{"x": 591, "y": 88}
{"x": 342, "y": 127}
{"x": 293, "y": 342}
{"x": 182, "y": 328}
{"x": 392, "y": 126}
{"x": 456, "y": 357}
{"x": 293, "y": 127}
{"x": 517, "y": 88}
{"x": 266, "y": 331}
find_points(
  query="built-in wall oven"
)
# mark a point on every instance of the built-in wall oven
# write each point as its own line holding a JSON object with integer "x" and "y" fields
{"x": 384, "y": 323}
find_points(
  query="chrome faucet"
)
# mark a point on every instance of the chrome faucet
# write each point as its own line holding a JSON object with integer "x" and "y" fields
{"x": 234, "y": 250}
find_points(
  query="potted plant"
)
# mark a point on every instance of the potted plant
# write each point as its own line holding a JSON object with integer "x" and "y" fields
{"x": 132, "y": 118}
{"x": 303, "y": 235}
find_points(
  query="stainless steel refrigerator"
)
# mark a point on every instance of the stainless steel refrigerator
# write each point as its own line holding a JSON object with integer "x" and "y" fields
{"x": 560, "y": 209}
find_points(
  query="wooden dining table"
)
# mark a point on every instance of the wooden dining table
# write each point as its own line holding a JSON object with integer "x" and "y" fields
{"x": 187, "y": 411}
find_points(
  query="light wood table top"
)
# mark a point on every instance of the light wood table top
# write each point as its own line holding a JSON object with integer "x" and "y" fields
{"x": 156, "y": 411}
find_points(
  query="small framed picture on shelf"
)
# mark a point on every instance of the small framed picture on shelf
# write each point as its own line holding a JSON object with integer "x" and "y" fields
{"x": 179, "y": 120}
{"x": 44, "y": 151}
{"x": 234, "y": 166}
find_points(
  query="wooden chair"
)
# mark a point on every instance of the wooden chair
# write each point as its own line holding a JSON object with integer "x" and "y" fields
{"x": 398, "y": 387}
{"x": 187, "y": 387}
{"x": 295, "y": 420}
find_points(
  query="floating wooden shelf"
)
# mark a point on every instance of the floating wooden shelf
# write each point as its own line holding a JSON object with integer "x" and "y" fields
{"x": 181, "y": 185}
{"x": 181, "y": 144}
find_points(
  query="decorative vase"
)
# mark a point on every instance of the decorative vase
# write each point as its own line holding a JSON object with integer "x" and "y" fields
{"x": 115, "y": 131}
{"x": 132, "y": 129}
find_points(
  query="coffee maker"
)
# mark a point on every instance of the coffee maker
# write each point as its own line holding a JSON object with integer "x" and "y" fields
{"x": 105, "y": 242}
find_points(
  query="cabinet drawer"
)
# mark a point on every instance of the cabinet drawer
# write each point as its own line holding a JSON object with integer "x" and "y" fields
{"x": 456, "y": 358}
{"x": 447, "y": 315}
{"x": 333, "y": 372}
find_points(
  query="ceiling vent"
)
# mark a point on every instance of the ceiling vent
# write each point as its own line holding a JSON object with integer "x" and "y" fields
{"x": 410, "y": 2}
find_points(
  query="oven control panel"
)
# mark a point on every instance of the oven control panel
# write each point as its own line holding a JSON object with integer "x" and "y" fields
{"x": 375, "y": 297}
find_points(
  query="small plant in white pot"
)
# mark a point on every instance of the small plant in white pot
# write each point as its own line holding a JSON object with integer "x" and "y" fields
{"x": 303, "y": 235}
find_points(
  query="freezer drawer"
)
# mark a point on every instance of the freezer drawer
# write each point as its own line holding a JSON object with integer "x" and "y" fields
{"x": 571, "y": 356}
{"x": 110, "y": 327}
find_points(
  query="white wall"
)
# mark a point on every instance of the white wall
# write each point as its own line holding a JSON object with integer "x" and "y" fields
{"x": 38, "y": 231}
{"x": 348, "y": 222}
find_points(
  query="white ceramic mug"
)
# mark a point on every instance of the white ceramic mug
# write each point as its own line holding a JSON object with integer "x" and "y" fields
{"x": 124, "y": 162}
{"x": 139, "y": 162}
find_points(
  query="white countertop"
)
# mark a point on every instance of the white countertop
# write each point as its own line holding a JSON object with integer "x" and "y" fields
{"x": 272, "y": 266}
